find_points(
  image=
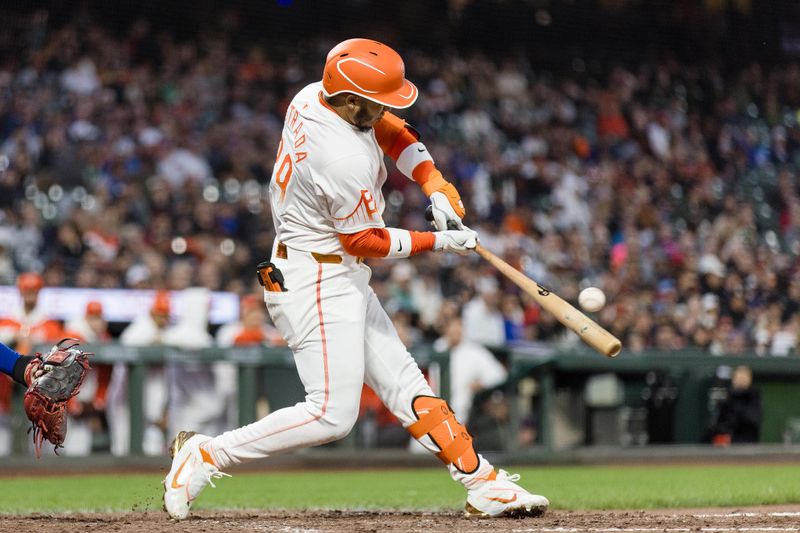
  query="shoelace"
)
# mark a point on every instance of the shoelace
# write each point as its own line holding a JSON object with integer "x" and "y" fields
{"x": 216, "y": 474}
{"x": 502, "y": 474}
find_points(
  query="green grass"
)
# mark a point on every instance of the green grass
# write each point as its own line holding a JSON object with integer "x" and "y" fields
{"x": 429, "y": 489}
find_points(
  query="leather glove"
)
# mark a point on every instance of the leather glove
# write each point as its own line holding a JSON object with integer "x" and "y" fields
{"x": 63, "y": 370}
{"x": 458, "y": 241}
{"x": 443, "y": 212}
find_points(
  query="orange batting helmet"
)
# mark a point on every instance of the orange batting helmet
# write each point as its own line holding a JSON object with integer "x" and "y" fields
{"x": 369, "y": 69}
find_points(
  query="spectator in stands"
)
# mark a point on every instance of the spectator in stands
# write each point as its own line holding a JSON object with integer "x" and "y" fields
{"x": 473, "y": 368}
{"x": 22, "y": 329}
{"x": 87, "y": 410}
{"x": 378, "y": 427}
{"x": 254, "y": 329}
{"x": 513, "y": 317}
{"x": 149, "y": 329}
{"x": 629, "y": 176}
{"x": 483, "y": 321}
{"x": 29, "y": 325}
{"x": 739, "y": 416}
{"x": 196, "y": 399}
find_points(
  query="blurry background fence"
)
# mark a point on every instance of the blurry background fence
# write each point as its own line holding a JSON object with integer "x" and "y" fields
{"x": 566, "y": 398}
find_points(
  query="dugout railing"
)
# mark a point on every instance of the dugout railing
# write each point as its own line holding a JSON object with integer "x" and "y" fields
{"x": 283, "y": 387}
{"x": 540, "y": 377}
{"x": 692, "y": 381}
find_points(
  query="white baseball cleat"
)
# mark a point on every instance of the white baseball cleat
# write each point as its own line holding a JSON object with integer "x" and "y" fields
{"x": 189, "y": 474}
{"x": 503, "y": 497}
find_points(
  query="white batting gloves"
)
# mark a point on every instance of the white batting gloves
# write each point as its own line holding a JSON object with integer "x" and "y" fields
{"x": 458, "y": 241}
{"x": 443, "y": 211}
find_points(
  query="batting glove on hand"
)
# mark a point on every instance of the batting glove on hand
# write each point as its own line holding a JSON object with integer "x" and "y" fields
{"x": 443, "y": 212}
{"x": 458, "y": 241}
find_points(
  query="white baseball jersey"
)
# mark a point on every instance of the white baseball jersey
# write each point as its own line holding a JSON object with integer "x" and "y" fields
{"x": 327, "y": 180}
{"x": 327, "y": 177}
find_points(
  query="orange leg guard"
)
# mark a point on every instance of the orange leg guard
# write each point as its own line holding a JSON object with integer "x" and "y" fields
{"x": 438, "y": 421}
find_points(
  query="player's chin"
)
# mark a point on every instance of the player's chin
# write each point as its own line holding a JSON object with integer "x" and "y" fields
{"x": 368, "y": 124}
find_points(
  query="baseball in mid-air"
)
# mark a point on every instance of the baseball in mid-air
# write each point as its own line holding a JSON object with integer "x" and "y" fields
{"x": 591, "y": 299}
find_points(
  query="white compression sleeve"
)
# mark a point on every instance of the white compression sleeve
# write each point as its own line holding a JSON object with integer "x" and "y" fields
{"x": 410, "y": 157}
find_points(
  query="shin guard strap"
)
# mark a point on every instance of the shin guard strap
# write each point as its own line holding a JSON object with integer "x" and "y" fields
{"x": 453, "y": 451}
{"x": 429, "y": 420}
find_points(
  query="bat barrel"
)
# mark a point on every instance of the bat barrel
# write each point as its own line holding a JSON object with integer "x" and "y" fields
{"x": 587, "y": 329}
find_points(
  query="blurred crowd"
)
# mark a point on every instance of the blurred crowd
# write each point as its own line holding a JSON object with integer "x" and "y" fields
{"x": 136, "y": 160}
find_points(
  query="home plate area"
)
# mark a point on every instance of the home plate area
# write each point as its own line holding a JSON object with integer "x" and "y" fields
{"x": 751, "y": 519}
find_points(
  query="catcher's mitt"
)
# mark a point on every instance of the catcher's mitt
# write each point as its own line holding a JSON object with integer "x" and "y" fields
{"x": 56, "y": 377}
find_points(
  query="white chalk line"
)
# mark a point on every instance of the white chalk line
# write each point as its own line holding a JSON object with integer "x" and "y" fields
{"x": 285, "y": 529}
{"x": 742, "y": 514}
{"x": 666, "y": 529}
{"x": 598, "y": 529}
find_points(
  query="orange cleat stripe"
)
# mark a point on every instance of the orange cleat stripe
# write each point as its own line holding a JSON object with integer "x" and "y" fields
{"x": 178, "y": 473}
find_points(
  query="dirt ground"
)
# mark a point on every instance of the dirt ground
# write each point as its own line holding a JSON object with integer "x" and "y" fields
{"x": 757, "y": 519}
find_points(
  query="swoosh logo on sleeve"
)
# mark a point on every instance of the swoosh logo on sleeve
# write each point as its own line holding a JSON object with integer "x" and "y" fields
{"x": 420, "y": 149}
{"x": 400, "y": 248}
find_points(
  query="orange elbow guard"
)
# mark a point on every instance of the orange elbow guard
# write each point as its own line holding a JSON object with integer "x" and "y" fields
{"x": 438, "y": 421}
{"x": 394, "y": 135}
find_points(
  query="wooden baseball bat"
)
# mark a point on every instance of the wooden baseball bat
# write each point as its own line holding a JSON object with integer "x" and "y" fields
{"x": 587, "y": 329}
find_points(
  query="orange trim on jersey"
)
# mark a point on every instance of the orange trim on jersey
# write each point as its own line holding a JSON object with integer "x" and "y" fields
{"x": 326, "y": 104}
{"x": 376, "y": 242}
{"x": 367, "y": 201}
{"x": 324, "y": 363}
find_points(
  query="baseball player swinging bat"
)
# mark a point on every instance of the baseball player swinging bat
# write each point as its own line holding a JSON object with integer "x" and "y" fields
{"x": 587, "y": 329}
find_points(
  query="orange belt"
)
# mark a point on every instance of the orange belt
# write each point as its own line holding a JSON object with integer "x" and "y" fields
{"x": 283, "y": 253}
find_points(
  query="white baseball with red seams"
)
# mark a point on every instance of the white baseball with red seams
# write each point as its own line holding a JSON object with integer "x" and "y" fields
{"x": 591, "y": 299}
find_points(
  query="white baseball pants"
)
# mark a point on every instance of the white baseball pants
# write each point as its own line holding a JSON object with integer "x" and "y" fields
{"x": 341, "y": 338}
